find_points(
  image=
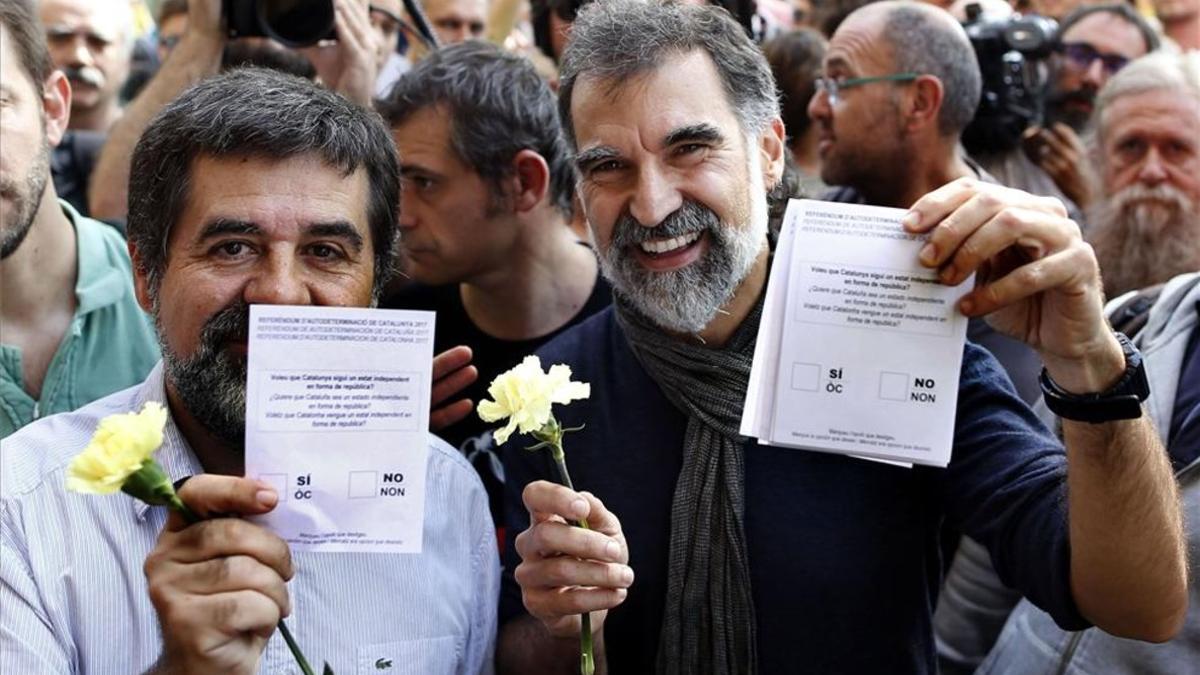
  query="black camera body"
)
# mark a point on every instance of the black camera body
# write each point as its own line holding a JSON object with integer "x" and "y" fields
{"x": 292, "y": 23}
{"x": 1011, "y": 52}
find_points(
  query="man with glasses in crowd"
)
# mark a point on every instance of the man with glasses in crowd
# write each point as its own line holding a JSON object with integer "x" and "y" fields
{"x": 1093, "y": 43}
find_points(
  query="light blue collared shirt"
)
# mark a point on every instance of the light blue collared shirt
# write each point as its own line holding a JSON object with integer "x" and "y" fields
{"x": 73, "y": 596}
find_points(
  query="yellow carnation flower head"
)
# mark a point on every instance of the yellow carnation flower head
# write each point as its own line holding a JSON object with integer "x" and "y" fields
{"x": 121, "y": 445}
{"x": 524, "y": 395}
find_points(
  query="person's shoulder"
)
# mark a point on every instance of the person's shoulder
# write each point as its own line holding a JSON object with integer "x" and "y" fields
{"x": 448, "y": 462}
{"x": 581, "y": 341}
{"x": 420, "y": 296}
{"x": 34, "y": 458}
{"x": 102, "y": 243}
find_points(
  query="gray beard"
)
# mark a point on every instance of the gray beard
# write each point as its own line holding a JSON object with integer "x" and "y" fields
{"x": 687, "y": 299}
{"x": 1144, "y": 236}
{"x": 211, "y": 384}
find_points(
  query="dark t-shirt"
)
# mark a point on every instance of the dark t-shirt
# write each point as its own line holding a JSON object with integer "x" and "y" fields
{"x": 844, "y": 556}
{"x": 492, "y": 356}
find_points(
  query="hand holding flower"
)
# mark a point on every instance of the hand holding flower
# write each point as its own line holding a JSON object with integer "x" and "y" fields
{"x": 566, "y": 572}
{"x": 218, "y": 585}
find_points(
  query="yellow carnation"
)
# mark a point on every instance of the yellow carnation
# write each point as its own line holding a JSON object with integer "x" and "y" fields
{"x": 121, "y": 445}
{"x": 524, "y": 395}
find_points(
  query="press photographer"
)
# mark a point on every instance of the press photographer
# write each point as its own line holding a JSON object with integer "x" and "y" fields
{"x": 1040, "y": 84}
{"x": 220, "y": 35}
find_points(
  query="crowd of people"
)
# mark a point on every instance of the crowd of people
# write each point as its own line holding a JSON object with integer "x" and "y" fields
{"x": 601, "y": 183}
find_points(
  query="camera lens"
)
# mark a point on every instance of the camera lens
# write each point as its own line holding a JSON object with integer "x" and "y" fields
{"x": 296, "y": 23}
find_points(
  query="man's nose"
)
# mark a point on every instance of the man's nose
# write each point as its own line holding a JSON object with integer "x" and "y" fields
{"x": 80, "y": 55}
{"x": 277, "y": 281}
{"x": 818, "y": 105}
{"x": 1152, "y": 170}
{"x": 1095, "y": 74}
{"x": 654, "y": 197}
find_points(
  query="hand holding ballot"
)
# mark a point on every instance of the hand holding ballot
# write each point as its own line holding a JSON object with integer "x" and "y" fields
{"x": 218, "y": 585}
{"x": 1038, "y": 281}
{"x": 566, "y": 570}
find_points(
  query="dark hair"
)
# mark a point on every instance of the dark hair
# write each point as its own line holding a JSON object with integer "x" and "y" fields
{"x": 29, "y": 40}
{"x": 943, "y": 51}
{"x": 1119, "y": 9}
{"x": 795, "y": 60}
{"x": 170, "y": 8}
{"x": 615, "y": 40}
{"x": 497, "y": 105}
{"x": 253, "y": 112}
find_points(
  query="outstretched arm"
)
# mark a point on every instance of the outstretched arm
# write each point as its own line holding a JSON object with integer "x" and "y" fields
{"x": 1038, "y": 281}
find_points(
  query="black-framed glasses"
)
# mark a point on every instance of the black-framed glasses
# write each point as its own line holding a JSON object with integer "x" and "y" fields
{"x": 1081, "y": 55}
{"x": 831, "y": 85}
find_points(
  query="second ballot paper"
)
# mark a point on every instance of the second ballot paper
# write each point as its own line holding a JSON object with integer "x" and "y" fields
{"x": 337, "y": 419}
{"x": 860, "y": 347}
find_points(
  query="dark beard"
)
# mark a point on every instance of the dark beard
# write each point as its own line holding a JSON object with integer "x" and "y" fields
{"x": 26, "y": 199}
{"x": 1056, "y": 110}
{"x": 211, "y": 384}
{"x": 1144, "y": 236}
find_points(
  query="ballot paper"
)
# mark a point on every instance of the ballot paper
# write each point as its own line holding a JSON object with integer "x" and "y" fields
{"x": 860, "y": 347}
{"x": 337, "y": 413}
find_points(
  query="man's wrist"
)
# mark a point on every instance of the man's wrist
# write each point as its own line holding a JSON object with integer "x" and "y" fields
{"x": 1095, "y": 370}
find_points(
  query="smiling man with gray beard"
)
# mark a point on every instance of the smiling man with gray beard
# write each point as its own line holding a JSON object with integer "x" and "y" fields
{"x": 1146, "y": 226}
{"x": 708, "y": 553}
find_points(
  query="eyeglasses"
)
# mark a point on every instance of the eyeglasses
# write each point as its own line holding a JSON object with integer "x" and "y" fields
{"x": 831, "y": 86}
{"x": 1082, "y": 55}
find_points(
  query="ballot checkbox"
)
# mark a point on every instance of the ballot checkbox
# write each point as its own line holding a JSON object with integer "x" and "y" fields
{"x": 893, "y": 386}
{"x": 806, "y": 376}
{"x": 279, "y": 481}
{"x": 364, "y": 484}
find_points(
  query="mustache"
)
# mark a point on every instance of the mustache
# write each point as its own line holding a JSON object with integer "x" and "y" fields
{"x": 231, "y": 324}
{"x": 1163, "y": 195}
{"x": 1084, "y": 95}
{"x": 86, "y": 74}
{"x": 690, "y": 217}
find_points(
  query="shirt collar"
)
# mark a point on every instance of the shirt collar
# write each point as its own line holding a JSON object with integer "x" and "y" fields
{"x": 100, "y": 283}
{"x": 175, "y": 456}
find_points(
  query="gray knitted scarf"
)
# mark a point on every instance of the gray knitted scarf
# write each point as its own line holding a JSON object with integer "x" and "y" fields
{"x": 708, "y": 623}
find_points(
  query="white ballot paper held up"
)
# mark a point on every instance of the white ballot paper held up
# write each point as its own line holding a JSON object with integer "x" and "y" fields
{"x": 860, "y": 347}
{"x": 337, "y": 413}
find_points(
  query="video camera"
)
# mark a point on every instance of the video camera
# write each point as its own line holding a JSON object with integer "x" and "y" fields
{"x": 1011, "y": 52}
{"x": 292, "y": 23}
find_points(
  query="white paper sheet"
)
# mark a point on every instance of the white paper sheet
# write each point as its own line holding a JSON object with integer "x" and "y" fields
{"x": 860, "y": 347}
{"x": 337, "y": 413}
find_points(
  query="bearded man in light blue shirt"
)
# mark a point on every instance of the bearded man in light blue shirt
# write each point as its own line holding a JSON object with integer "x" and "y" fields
{"x": 251, "y": 188}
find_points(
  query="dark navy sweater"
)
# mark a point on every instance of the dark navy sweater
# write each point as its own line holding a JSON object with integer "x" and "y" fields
{"x": 843, "y": 552}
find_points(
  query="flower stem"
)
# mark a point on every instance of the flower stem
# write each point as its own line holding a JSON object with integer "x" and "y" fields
{"x": 587, "y": 660}
{"x": 191, "y": 518}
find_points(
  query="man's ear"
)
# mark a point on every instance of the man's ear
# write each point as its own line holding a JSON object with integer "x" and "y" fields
{"x": 141, "y": 282}
{"x": 530, "y": 180}
{"x": 56, "y": 106}
{"x": 772, "y": 144}
{"x": 923, "y": 103}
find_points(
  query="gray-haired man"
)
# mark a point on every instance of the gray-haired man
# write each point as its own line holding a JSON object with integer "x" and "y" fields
{"x": 751, "y": 558}
{"x": 252, "y": 188}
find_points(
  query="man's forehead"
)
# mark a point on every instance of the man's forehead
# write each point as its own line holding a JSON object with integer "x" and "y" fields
{"x": 468, "y": 8}
{"x": 1107, "y": 32}
{"x": 1160, "y": 112}
{"x": 423, "y": 139}
{"x": 102, "y": 17}
{"x": 684, "y": 90}
{"x": 288, "y": 191}
{"x": 857, "y": 45}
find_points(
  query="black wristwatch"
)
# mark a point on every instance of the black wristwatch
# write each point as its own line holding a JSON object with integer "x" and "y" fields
{"x": 1122, "y": 401}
